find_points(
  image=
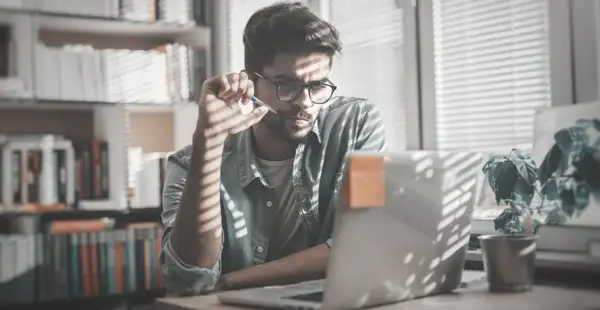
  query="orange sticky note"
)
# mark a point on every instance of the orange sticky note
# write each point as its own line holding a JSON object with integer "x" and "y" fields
{"x": 366, "y": 182}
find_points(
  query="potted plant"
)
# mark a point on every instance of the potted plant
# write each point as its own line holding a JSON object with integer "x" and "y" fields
{"x": 560, "y": 188}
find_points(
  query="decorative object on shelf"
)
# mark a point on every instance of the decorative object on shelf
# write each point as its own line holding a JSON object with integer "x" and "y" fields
{"x": 559, "y": 189}
{"x": 37, "y": 169}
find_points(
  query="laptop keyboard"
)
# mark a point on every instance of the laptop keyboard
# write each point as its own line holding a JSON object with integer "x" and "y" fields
{"x": 313, "y": 297}
{"x": 468, "y": 276}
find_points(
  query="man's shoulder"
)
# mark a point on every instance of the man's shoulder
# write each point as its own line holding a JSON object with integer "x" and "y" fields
{"x": 344, "y": 103}
{"x": 344, "y": 111}
{"x": 346, "y": 107}
{"x": 182, "y": 157}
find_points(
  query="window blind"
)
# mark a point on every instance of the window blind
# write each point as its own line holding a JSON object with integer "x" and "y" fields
{"x": 372, "y": 60}
{"x": 492, "y": 70}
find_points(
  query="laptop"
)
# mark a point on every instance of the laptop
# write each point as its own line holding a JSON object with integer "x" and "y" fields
{"x": 401, "y": 232}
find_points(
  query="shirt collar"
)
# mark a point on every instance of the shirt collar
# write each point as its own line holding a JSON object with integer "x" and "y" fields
{"x": 247, "y": 168}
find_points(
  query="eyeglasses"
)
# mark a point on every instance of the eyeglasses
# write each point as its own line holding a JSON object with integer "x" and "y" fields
{"x": 318, "y": 92}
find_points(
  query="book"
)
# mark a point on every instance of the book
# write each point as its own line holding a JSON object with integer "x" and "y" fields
{"x": 80, "y": 263}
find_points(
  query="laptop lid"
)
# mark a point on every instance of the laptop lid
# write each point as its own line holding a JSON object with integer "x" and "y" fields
{"x": 402, "y": 226}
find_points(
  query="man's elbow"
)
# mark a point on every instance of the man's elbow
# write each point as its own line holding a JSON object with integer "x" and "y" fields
{"x": 183, "y": 279}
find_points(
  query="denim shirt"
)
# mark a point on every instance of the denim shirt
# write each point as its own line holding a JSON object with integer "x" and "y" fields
{"x": 344, "y": 124}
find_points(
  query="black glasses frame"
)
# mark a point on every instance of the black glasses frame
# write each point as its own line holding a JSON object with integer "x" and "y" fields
{"x": 304, "y": 86}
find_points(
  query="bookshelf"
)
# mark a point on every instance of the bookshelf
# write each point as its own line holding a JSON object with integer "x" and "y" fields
{"x": 119, "y": 74}
{"x": 47, "y": 259}
{"x": 105, "y": 73}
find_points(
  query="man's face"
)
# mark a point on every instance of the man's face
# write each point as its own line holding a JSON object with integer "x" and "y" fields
{"x": 295, "y": 118}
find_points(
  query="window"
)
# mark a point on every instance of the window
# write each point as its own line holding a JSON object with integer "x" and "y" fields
{"x": 373, "y": 64}
{"x": 491, "y": 70}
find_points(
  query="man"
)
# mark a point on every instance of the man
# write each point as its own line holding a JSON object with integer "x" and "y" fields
{"x": 251, "y": 201}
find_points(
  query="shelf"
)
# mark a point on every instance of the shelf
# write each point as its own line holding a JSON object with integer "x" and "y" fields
{"x": 101, "y": 32}
{"x": 158, "y": 108}
{"x": 115, "y": 27}
{"x": 36, "y": 103}
{"x": 149, "y": 214}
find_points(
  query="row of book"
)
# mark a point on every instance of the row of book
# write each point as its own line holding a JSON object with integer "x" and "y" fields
{"x": 82, "y": 73}
{"x": 178, "y": 11}
{"x": 63, "y": 266}
{"x": 29, "y": 184}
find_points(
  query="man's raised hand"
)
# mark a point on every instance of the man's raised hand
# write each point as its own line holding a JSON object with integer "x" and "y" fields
{"x": 219, "y": 110}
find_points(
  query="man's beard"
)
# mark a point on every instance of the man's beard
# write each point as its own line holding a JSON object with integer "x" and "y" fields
{"x": 277, "y": 125}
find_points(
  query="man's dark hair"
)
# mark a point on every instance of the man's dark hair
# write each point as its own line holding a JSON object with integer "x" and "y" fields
{"x": 286, "y": 27}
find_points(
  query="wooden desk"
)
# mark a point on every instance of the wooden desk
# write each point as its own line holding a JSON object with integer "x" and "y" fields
{"x": 475, "y": 298}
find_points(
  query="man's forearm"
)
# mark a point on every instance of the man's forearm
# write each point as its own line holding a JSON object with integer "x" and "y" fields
{"x": 196, "y": 235}
{"x": 306, "y": 265}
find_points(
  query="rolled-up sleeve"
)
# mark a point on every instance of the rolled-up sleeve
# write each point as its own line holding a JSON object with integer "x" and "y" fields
{"x": 181, "y": 278}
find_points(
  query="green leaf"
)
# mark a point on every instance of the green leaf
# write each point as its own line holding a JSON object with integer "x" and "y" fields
{"x": 596, "y": 123}
{"x": 490, "y": 169}
{"x": 584, "y": 122}
{"x": 582, "y": 198}
{"x": 514, "y": 220}
{"x": 525, "y": 165}
{"x": 512, "y": 178}
{"x": 505, "y": 177}
{"x": 550, "y": 163}
{"x": 523, "y": 191}
{"x": 523, "y": 186}
{"x": 551, "y": 190}
{"x": 556, "y": 217}
{"x": 567, "y": 197}
{"x": 571, "y": 139}
{"x": 508, "y": 222}
{"x": 588, "y": 167}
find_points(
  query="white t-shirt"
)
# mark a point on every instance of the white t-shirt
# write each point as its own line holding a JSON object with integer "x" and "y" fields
{"x": 289, "y": 235}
